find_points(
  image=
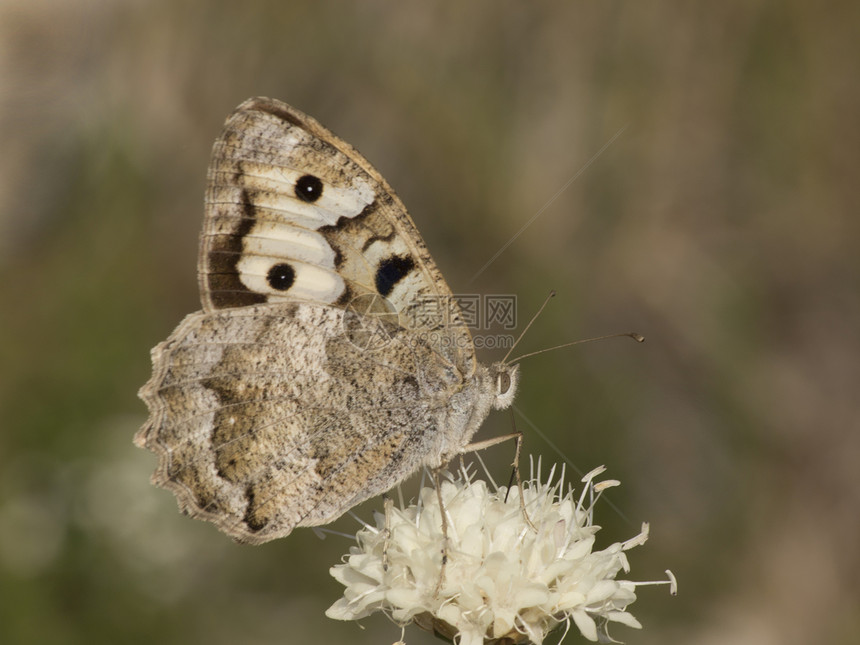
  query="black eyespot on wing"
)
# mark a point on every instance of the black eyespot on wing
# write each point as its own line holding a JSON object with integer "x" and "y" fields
{"x": 391, "y": 271}
{"x": 309, "y": 188}
{"x": 281, "y": 277}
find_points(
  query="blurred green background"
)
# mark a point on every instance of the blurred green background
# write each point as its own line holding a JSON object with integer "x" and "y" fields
{"x": 722, "y": 224}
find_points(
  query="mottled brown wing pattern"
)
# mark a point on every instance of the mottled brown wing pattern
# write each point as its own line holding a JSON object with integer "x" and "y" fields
{"x": 259, "y": 440}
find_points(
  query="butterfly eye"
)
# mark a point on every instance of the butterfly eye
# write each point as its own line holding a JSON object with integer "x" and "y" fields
{"x": 503, "y": 382}
{"x": 281, "y": 277}
{"x": 309, "y": 188}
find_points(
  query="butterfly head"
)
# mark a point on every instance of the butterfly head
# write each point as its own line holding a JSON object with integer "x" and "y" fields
{"x": 505, "y": 378}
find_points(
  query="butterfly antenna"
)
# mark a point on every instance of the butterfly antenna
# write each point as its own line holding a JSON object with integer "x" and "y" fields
{"x": 523, "y": 333}
{"x": 630, "y": 334}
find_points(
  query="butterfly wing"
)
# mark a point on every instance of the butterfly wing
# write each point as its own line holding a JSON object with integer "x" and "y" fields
{"x": 329, "y": 361}
{"x": 259, "y": 424}
{"x": 293, "y": 213}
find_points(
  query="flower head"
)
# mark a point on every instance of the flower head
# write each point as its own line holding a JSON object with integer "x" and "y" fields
{"x": 505, "y": 581}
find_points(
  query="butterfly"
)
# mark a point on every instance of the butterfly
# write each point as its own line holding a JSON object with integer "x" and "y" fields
{"x": 329, "y": 361}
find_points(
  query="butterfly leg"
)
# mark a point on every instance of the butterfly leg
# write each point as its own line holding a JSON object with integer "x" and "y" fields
{"x": 489, "y": 443}
{"x": 388, "y": 504}
{"x": 519, "y": 440}
{"x": 518, "y": 437}
{"x": 438, "y": 483}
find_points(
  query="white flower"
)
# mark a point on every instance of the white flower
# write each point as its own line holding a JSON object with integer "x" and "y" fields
{"x": 503, "y": 582}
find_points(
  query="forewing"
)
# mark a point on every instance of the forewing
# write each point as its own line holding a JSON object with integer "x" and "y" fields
{"x": 293, "y": 213}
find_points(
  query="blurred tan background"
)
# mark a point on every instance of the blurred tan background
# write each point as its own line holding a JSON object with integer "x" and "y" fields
{"x": 722, "y": 224}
